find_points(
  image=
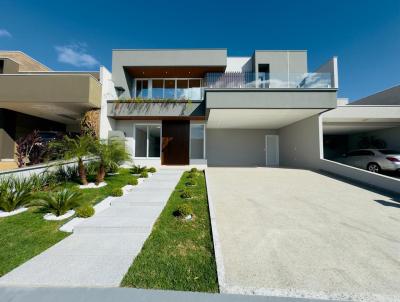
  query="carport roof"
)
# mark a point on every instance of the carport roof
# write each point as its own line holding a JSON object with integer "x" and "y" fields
{"x": 357, "y": 118}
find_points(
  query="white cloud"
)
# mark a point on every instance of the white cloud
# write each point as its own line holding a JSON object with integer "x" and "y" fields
{"x": 76, "y": 55}
{"x": 5, "y": 33}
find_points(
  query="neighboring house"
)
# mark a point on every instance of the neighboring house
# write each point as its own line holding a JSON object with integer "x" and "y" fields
{"x": 200, "y": 106}
{"x": 32, "y": 96}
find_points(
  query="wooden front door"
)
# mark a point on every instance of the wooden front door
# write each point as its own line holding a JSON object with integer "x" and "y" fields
{"x": 175, "y": 142}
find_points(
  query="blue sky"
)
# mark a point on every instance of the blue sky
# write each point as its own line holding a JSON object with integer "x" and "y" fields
{"x": 79, "y": 35}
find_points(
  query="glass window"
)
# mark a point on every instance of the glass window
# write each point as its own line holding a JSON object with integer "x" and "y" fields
{"x": 169, "y": 92}
{"x": 142, "y": 89}
{"x": 140, "y": 141}
{"x": 158, "y": 87}
{"x": 197, "y": 141}
{"x": 181, "y": 89}
{"x": 154, "y": 140}
{"x": 147, "y": 140}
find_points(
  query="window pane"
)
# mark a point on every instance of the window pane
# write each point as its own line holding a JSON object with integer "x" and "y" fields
{"x": 140, "y": 141}
{"x": 182, "y": 91}
{"x": 154, "y": 140}
{"x": 158, "y": 86}
{"x": 169, "y": 92}
{"x": 196, "y": 141}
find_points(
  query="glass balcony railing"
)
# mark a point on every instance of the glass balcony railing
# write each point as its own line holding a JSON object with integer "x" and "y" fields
{"x": 267, "y": 80}
{"x": 169, "y": 89}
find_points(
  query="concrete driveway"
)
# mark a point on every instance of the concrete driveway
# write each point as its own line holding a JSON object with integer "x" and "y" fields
{"x": 289, "y": 232}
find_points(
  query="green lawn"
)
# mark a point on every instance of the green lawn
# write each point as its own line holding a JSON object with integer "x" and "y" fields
{"x": 179, "y": 254}
{"x": 26, "y": 235}
{"x": 96, "y": 195}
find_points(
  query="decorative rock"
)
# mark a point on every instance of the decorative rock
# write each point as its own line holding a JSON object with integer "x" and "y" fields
{"x": 51, "y": 216}
{"x": 15, "y": 212}
{"x": 92, "y": 185}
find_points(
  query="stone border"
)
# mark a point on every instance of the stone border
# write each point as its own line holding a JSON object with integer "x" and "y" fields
{"x": 223, "y": 288}
{"x": 12, "y": 213}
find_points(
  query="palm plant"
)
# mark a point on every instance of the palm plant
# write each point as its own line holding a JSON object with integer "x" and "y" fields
{"x": 14, "y": 193}
{"x": 110, "y": 154}
{"x": 78, "y": 148}
{"x": 58, "y": 202}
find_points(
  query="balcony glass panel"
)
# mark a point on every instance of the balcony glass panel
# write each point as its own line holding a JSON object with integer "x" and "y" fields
{"x": 169, "y": 89}
{"x": 142, "y": 89}
{"x": 194, "y": 91}
{"x": 157, "y": 91}
{"x": 182, "y": 89}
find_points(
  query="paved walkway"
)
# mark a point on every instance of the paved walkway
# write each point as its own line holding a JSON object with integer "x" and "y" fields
{"x": 292, "y": 232}
{"x": 101, "y": 249}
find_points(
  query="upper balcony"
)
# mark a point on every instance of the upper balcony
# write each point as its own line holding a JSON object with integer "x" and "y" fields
{"x": 262, "y": 80}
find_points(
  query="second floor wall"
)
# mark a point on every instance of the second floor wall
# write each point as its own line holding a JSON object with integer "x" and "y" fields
{"x": 185, "y": 74}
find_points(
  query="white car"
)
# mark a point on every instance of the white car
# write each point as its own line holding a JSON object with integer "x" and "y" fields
{"x": 373, "y": 160}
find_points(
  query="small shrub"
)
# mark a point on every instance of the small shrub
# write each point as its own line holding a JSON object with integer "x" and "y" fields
{"x": 14, "y": 193}
{"x": 59, "y": 202}
{"x": 85, "y": 211}
{"x": 194, "y": 170}
{"x": 66, "y": 173}
{"x": 186, "y": 194}
{"x": 152, "y": 170}
{"x": 138, "y": 169}
{"x": 190, "y": 183}
{"x": 144, "y": 175}
{"x": 92, "y": 167}
{"x": 112, "y": 168}
{"x": 133, "y": 181}
{"x": 117, "y": 192}
{"x": 183, "y": 210}
{"x": 43, "y": 181}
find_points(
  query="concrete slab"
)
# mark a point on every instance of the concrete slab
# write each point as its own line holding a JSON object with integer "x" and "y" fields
{"x": 102, "y": 247}
{"x": 288, "y": 232}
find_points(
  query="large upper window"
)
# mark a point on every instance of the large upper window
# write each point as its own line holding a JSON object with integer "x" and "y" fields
{"x": 147, "y": 140}
{"x": 177, "y": 89}
{"x": 197, "y": 141}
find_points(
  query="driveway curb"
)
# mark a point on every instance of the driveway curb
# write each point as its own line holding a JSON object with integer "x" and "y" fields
{"x": 217, "y": 245}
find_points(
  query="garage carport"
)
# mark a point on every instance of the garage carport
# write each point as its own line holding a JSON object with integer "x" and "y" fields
{"x": 360, "y": 127}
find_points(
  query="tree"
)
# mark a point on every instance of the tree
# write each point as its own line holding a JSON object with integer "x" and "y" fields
{"x": 30, "y": 148}
{"x": 111, "y": 154}
{"x": 77, "y": 147}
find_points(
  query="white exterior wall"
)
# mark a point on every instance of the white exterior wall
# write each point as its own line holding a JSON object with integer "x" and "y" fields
{"x": 236, "y": 147}
{"x": 238, "y": 64}
{"x": 107, "y": 93}
{"x": 300, "y": 144}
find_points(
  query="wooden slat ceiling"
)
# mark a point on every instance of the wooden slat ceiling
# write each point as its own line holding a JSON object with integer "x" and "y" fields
{"x": 172, "y": 72}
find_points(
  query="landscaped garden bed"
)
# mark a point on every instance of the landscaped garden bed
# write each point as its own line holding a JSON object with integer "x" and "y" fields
{"x": 179, "y": 254}
{"x": 55, "y": 196}
{"x": 27, "y": 234}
